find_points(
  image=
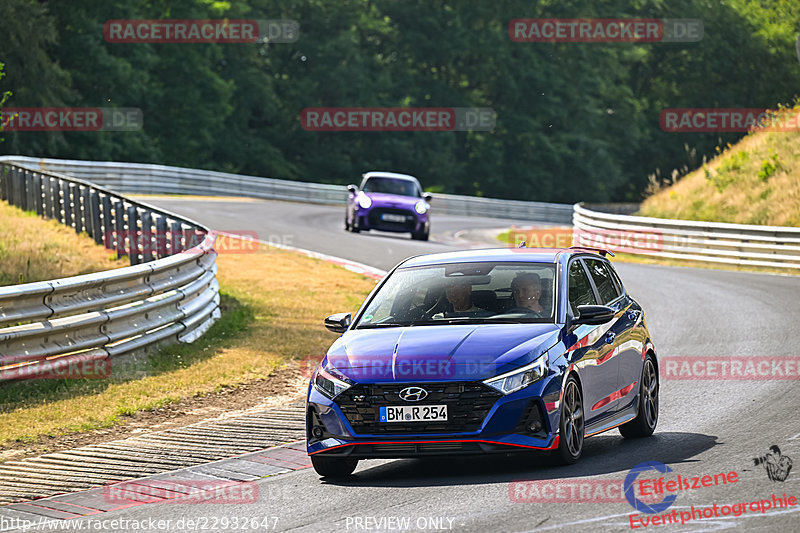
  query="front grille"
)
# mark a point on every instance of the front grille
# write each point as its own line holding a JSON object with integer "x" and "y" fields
{"x": 375, "y": 220}
{"x": 467, "y": 403}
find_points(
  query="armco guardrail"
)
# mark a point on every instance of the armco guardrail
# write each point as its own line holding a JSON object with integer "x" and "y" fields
{"x": 133, "y": 178}
{"x": 169, "y": 293}
{"x": 711, "y": 242}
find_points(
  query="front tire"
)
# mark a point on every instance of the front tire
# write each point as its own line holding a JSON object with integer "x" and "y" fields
{"x": 420, "y": 236}
{"x": 333, "y": 467}
{"x": 571, "y": 427}
{"x": 645, "y": 422}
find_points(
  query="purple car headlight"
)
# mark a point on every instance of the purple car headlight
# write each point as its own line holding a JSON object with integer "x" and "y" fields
{"x": 364, "y": 201}
{"x": 421, "y": 207}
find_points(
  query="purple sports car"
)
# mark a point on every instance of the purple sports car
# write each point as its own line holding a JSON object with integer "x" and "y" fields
{"x": 388, "y": 202}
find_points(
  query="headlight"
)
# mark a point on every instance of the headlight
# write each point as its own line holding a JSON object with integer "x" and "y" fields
{"x": 330, "y": 385}
{"x": 364, "y": 201}
{"x": 522, "y": 377}
{"x": 421, "y": 207}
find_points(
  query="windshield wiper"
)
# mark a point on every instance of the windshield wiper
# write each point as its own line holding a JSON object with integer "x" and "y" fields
{"x": 381, "y": 325}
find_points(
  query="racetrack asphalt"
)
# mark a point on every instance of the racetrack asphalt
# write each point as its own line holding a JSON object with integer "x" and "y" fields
{"x": 706, "y": 427}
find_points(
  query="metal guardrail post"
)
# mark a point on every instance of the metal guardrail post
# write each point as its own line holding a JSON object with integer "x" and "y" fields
{"x": 161, "y": 236}
{"x": 147, "y": 236}
{"x": 85, "y": 211}
{"x": 119, "y": 229}
{"x": 134, "y": 235}
{"x": 66, "y": 204}
{"x": 47, "y": 198}
{"x": 55, "y": 198}
{"x": 28, "y": 184}
{"x": 176, "y": 234}
{"x": 94, "y": 214}
{"x": 36, "y": 180}
{"x": 10, "y": 182}
{"x": 108, "y": 222}
{"x": 16, "y": 187}
{"x": 3, "y": 187}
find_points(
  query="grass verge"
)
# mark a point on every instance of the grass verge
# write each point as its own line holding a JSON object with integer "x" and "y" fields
{"x": 274, "y": 302}
{"x": 35, "y": 249}
{"x": 755, "y": 181}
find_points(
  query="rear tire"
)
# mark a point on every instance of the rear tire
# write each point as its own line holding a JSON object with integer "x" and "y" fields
{"x": 645, "y": 422}
{"x": 346, "y": 225}
{"x": 334, "y": 467}
{"x": 571, "y": 427}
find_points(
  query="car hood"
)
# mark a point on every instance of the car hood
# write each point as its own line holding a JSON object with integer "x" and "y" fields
{"x": 438, "y": 353}
{"x": 392, "y": 200}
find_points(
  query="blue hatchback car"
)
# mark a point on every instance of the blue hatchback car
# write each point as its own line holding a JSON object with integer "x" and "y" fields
{"x": 484, "y": 351}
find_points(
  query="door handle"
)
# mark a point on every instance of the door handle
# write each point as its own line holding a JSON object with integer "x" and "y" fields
{"x": 610, "y": 337}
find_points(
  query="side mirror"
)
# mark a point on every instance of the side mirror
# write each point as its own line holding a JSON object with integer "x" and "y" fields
{"x": 352, "y": 189}
{"x": 427, "y": 197}
{"x": 593, "y": 315}
{"x": 338, "y": 323}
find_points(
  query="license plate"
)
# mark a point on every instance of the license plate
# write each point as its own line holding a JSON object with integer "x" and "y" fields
{"x": 413, "y": 413}
{"x": 391, "y": 217}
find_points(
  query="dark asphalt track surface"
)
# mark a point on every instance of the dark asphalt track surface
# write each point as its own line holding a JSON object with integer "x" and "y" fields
{"x": 706, "y": 427}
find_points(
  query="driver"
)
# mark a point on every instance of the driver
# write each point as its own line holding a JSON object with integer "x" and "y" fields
{"x": 459, "y": 293}
{"x": 526, "y": 287}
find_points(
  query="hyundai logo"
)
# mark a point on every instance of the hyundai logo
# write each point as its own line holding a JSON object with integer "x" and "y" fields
{"x": 413, "y": 394}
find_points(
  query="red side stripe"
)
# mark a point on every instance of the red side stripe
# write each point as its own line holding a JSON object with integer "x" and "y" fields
{"x": 614, "y": 396}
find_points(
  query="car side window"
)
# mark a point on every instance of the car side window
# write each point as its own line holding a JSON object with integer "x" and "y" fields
{"x": 602, "y": 280}
{"x": 580, "y": 290}
{"x": 617, "y": 281}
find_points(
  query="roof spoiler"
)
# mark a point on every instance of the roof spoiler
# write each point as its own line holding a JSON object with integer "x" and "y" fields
{"x": 600, "y": 251}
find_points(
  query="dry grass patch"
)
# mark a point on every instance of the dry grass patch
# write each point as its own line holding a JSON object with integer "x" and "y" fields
{"x": 756, "y": 181}
{"x": 274, "y": 305}
{"x": 35, "y": 249}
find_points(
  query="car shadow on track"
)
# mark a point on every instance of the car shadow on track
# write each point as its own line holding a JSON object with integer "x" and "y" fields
{"x": 601, "y": 455}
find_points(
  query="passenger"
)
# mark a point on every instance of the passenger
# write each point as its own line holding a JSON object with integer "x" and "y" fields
{"x": 526, "y": 288}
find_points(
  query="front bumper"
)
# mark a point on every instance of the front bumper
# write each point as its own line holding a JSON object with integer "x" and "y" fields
{"x": 372, "y": 218}
{"x": 524, "y": 420}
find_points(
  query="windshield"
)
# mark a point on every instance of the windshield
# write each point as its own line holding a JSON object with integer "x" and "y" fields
{"x": 458, "y": 293}
{"x": 391, "y": 186}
